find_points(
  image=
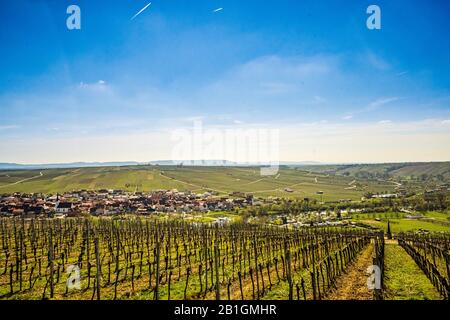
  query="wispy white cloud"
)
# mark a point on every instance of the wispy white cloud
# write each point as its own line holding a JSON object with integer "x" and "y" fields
{"x": 9, "y": 127}
{"x": 320, "y": 141}
{"x": 190, "y": 119}
{"x": 319, "y": 99}
{"x": 284, "y": 67}
{"x": 372, "y": 106}
{"x": 380, "y": 102}
{"x": 376, "y": 61}
{"x": 276, "y": 87}
{"x": 99, "y": 85}
{"x": 366, "y": 142}
{"x": 292, "y": 79}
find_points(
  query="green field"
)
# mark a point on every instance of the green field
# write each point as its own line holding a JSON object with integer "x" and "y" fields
{"x": 405, "y": 225}
{"x": 404, "y": 279}
{"x": 222, "y": 180}
{"x": 408, "y": 170}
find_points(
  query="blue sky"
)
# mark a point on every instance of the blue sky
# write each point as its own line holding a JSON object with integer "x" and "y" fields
{"x": 117, "y": 88}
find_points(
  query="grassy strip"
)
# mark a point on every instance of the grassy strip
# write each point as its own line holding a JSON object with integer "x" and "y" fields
{"x": 404, "y": 279}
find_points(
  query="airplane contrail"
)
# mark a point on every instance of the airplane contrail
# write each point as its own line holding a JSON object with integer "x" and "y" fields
{"x": 218, "y": 9}
{"x": 140, "y": 11}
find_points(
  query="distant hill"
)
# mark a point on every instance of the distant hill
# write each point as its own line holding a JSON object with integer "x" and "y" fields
{"x": 417, "y": 170}
{"x": 218, "y": 163}
{"x": 228, "y": 163}
{"x": 288, "y": 182}
{"x": 17, "y": 166}
{"x": 412, "y": 170}
{"x": 193, "y": 162}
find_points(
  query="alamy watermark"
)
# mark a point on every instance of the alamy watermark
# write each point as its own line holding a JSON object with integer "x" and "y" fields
{"x": 241, "y": 146}
{"x": 374, "y": 279}
{"x": 73, "y": 277}
{"x": 374, "y": 20}
{"x": 73, "y": 21}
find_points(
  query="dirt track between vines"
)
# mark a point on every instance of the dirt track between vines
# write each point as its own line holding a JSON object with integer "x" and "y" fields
{"x": 353, "y": 284}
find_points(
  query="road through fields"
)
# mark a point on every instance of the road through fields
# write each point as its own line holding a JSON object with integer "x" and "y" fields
{"x": 23, "y": 180}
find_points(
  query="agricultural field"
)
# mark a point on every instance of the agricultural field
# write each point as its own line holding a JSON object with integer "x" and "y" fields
{"x": 431, "y": 254}
{"x": 404, "y": 279}
{"x": 440, "y": 170}
{"x": 405, "y": 225}
{"x": 288, "y": 183}
{"x": 143, "y": 258}
{"x": 432, "y": 221}
{"x": 189, "y": 256}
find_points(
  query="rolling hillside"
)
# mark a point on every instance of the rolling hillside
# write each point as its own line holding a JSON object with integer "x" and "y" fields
{"x": 289, "y": 182}
{"x": 439, "y": 170}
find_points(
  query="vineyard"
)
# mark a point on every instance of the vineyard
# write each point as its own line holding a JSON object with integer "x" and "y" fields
{"x": 431, "y": 253}
{"x": 150, "y": 260}
{"x": 135, "y": 258}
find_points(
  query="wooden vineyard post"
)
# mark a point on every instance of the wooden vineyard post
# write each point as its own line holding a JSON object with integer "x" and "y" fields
{"x": 21, "y": 256}
{"x": 168, "y": 287}
{"x": 447, "y": 264}
{"x": 303, "y": 288}
{"x": 268, "y": 274}
{"x": 188, "y": 272}
{"x": 200, "y": 270}
{"x": 378, "y": 260}
{"x": 276, "y": 269}
{"x": 313, "y": 284}
{"x": 109, "y": 272}
{"x": 30, "y": 280}
{"x": 99, "y": 268}
{"x": 50, "y": 260}
{"x": 288, "y": 269}
{"x": 256, "y": 267}
{"x": 262, "y": 280}
{"x": 211, "y": 265}
{"x": 318, "y": 283}
{"x": 88, "y": 255}
{"x": 216, "y": 260}
{"x": 156, "y": 297}
{"x": 240, "y": 285}
{"x": 117, "y": 271}
{"x": 223, "y": 269}
{"x": 206, "y": 264}
{"x": 323, "y": 279}
{"x": 11, "y": 281}
{"x": 133, "y": 269}
{"x": 253, "y": 283}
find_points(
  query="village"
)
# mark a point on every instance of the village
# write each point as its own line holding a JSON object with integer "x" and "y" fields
{"x": 109, "y": 203}
{"x": 211, "y": 207}
{"x": 116, "y": 202}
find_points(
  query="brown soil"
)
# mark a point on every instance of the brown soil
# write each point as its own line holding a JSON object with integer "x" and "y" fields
{"x": 352, "y": 285}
